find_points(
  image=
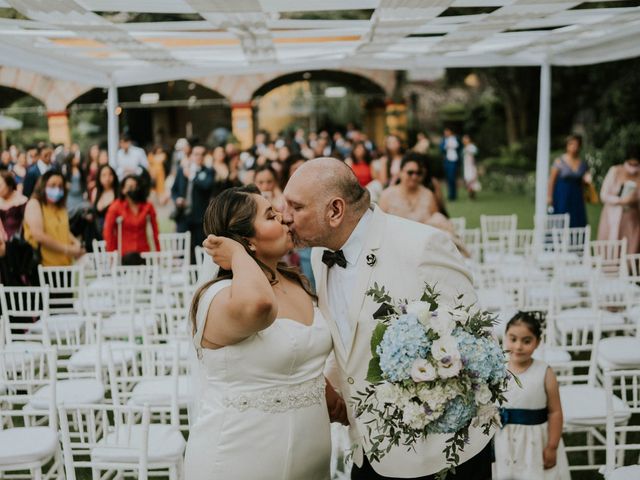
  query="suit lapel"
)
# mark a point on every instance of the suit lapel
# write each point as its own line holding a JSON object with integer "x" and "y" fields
{"x": 364, "y": 271}
{"x": 321, "y": 286}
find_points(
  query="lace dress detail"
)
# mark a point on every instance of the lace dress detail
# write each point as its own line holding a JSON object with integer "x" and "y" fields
{"x": 281, "y": 399}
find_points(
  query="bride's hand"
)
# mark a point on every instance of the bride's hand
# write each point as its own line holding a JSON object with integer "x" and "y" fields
{"x": 222, "y": 250}
{"x": 336, "y": 406}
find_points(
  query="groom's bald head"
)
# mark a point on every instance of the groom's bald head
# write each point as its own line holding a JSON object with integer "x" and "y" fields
{"x": 324, "y": 202}
{"x": 330, "y": 177}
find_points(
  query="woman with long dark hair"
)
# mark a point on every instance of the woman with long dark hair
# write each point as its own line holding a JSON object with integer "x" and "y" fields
{"x": 261, "y": 344}
{"x": 106, "y": 191}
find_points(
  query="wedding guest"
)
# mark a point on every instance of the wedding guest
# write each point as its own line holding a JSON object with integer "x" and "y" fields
{"x": 422, "y": 144}
{"x": 130, "y": 160}
{"x": 266, "y": 179}
{"x": 450, "y": 147}
{"x": 529, "y": 445}
{"x": 409, "y": 199}
{"x": 390, "y": 162}
{"x": 90, "y": 167}
{"x": 191, "y": 193}
{"x": 157, "y": 159}
{"x": 42, "y": 163}
{"x": 46, "y": 223}
{"x": 76, "y": 181}
{"x": 620, "y": 194}
{"x": 360, "y": 163}
{"x": 137, "y": 217}
{"x": 569, "y": 175}
{"x": 19, "y": 169}
{"x": 470, "y": 151}
{"x": 106, "y": 191}
{"x": 12, "y": 204}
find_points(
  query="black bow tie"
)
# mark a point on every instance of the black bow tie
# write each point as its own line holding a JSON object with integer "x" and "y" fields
{"x": 330, "y": 258}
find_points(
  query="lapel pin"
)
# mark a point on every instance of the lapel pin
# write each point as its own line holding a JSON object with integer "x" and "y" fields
{"x": 371, "y": 259}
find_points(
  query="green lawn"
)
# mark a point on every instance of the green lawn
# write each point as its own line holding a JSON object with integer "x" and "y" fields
{"x": 495, "y": 203}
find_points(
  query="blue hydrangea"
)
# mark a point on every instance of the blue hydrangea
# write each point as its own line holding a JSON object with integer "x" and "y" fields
{"x": 403, "y": 342}
{"x": 458, "y": 413}
{"x": 481, "y": 356}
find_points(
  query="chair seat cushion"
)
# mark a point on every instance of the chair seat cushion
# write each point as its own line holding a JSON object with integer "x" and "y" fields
{"x": 87, "y": 357}
{"x": 165, "y": 443}
{"x": 552, "y": 356}
{"x": 157, "y": 391}
{"x": 94, "y": 304}
{"x": 619, "y": 352}
{"x": 625, "y": 473}
{"x": 60, "y": 323}
{"x": 77, "y": 390}
{"x": 586, "y": 405}
{"x": 577, "y": 318}
{"x": 119, "y": 325}
{"x": 27, "y": 444}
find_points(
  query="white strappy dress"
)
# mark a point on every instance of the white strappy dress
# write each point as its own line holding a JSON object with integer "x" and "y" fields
{"x": 261, "y": 407}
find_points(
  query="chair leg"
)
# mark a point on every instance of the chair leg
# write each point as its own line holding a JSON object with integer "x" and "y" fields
{"x": 37, "y": 473}
{"x": 622, "y": 441}
{"x": 95, "y": 473}
{"x": 591, "y": 458}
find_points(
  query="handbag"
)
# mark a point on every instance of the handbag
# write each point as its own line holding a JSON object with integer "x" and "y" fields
{"x": 590, "y": 194}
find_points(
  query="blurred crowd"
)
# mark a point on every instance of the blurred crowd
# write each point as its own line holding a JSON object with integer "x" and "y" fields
{"x": 57, "y": 203}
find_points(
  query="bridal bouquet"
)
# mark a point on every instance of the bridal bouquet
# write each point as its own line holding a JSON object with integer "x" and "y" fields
{"x": 434, "y": 370}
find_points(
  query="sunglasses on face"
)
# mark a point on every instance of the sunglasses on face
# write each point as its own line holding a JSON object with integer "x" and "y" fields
{"x": 413, "y": 173}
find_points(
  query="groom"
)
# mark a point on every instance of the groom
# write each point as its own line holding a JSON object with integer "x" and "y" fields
{"x": 326, "y": 207}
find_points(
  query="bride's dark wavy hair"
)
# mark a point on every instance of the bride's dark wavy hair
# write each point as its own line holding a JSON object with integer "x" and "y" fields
{"x": 232, "y": 214}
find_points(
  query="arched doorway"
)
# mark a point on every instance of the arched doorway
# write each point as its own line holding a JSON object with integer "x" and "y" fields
{"x": 320, "y": 100}
{"x": 154, "y": 114}
{"x": 27, "y": 109}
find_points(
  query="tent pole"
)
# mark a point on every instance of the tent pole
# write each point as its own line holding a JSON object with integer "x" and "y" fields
{"x": 112, "y": 123}
{"x": 544, "y": 144}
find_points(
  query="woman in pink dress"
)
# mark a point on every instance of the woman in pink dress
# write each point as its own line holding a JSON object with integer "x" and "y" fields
{"x": 620, "y": 194}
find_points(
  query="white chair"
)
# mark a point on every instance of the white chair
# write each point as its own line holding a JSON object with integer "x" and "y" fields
{"x": 170, "y": 271}
{"x": 33, "y": 446}
{"x": 20, "y": 306}
{"x": 118, "y": 440}
{"x": 492, "y": 229}
{"x": 613, "y": 256}
{"x": 66, "y": 301}
{"x": 152, "y": 378}
{"x": 199, "y": 254}
{"x": 583, "y": 400}
{"x": 620, "y": 352}
{"x": 179, "y": 244}
{"x": 472, "y": 241}
{"x": 624, "y": 384}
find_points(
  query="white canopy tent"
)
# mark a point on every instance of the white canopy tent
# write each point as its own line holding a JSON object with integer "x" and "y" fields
{"x": 85, "y": 41}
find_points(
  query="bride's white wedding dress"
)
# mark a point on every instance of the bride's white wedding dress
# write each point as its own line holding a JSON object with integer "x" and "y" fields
{"x": 261, "y": 409}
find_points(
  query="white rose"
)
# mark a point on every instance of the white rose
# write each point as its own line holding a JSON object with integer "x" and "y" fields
{"x": 423, "y": 371}
{"x": 420, "y": 310}
{"x": 485, "y": 414}
{"x": 387, "y": 393}
{"x": 446, "y": 346}
{"x": 414, "y": 415}
{"x": 449, "y": 367}
{"x": 435, "y": 398}
{"x": 442, "y": 324}
{"x": 483, "y": 394}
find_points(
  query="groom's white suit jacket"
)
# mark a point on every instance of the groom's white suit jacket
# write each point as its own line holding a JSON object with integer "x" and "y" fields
{"x": 407, "y": 254}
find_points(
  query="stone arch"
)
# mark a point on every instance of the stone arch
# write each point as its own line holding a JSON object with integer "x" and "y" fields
{"x": 53, "y": 93}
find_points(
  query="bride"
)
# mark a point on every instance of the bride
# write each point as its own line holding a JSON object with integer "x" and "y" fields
{"x": 262, "y": 346}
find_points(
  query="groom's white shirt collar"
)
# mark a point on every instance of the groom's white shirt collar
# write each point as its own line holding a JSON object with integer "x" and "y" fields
{"x": 354, "y": 245}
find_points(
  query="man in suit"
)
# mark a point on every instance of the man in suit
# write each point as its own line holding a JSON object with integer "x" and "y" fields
{"x": 42, "y": 164}
{"x": 326, "y": 207}
{"x": 191, "y": 192}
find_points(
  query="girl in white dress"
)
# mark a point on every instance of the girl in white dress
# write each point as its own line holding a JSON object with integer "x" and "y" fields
{"x": 529, "y": 445}
{"x": 262, "y": 347}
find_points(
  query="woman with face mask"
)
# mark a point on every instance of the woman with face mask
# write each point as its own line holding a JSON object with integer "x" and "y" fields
{"x": 620, "y": 193}
{"x": 46, "y": 224}
{"x": 136, "y": 213}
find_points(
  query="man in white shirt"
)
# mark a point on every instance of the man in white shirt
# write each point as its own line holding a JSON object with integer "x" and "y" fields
{"x": 327, "y": 207}
{"x": 129, "y": 159}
